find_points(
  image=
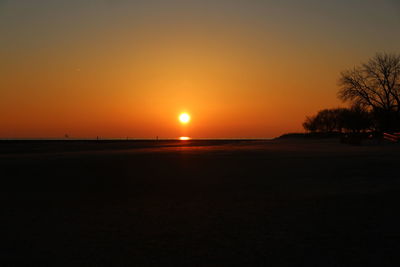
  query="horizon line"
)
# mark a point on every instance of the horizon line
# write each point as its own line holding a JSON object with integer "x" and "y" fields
{"x": 134, "y": 139}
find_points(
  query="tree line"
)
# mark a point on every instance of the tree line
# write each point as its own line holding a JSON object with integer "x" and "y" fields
{"x": 373, "y": 91}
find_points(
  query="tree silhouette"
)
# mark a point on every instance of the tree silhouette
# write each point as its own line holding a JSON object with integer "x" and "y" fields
{"x": 337, "y": 120}
{"x": 375, "y": 85}
{"x": 356, "y": 119}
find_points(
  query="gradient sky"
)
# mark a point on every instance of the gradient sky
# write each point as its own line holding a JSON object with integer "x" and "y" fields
{"x": 241, "y": 68}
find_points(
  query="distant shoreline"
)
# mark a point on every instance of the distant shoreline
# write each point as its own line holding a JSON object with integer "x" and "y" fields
{"x": 310, "y": 135}
{"x": 127, "y": 139}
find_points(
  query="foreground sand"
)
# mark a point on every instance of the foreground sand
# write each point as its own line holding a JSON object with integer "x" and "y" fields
{"x": 204, "y": 203}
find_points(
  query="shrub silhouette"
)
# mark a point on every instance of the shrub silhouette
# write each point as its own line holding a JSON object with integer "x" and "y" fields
{"x": 355, "y": 119}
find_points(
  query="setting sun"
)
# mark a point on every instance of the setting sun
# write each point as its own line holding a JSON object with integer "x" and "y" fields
{"x": 184, "y": 118}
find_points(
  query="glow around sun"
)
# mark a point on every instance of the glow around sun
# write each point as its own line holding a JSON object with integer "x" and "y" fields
{"x": 184, "y": 118}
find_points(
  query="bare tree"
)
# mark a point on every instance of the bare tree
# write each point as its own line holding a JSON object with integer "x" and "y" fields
{"x": 375, "y": 84}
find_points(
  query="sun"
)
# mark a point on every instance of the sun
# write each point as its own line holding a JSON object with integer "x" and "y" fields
{"x": 184, "y": 118}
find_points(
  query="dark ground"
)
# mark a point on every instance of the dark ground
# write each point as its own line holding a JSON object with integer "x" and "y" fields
{"x": 199, "y": 203}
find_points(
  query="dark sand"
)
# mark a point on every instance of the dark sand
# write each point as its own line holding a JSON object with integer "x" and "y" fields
{"x": 199, "y": 203}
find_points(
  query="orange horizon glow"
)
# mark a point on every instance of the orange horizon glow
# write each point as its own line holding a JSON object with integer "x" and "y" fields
{"x": 250, "y": 69}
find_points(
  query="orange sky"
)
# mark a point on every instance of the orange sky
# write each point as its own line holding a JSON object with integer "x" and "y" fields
{"x": 116, "y": 70}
